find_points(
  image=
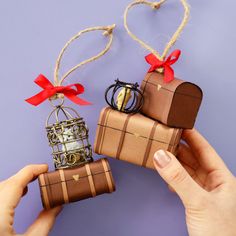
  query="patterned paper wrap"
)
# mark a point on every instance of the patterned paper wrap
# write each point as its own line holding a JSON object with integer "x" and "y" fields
{"x": 74, "y": 184}
{"x": 133, "y": 137}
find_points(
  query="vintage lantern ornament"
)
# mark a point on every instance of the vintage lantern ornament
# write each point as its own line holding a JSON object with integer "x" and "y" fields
{"x": 124, "y": 97}
{"x": 68, "y": 138}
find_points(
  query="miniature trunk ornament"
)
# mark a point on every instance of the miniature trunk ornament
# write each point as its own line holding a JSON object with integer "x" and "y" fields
{"x": 124, "y": 97}
{"x": 68, "y": 139}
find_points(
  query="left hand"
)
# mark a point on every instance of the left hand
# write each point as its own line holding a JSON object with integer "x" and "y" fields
{"x": 11, "y": 191}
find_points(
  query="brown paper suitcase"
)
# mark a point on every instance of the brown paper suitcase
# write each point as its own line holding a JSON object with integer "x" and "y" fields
{"x": 133, "y": 137}
{"x": 175, "y": 104}
{"x": 74, "y": 184}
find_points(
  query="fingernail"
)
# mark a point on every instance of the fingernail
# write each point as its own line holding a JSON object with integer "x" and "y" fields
{"x": 161, "y": 158}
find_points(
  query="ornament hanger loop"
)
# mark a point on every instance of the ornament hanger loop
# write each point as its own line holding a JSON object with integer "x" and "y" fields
{"x": 57, "y": 97}
{"x": 108, "y": 32}
{"x": 68, "y": 112}
{"x": 155, "y": 6}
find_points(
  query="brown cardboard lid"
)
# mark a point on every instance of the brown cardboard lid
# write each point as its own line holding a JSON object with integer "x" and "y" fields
{"x": 176, "y": 85}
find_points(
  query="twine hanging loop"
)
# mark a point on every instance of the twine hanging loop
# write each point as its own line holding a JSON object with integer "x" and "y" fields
{"x": 155, "y": 6}
{"x": 57, "y": 90}
{"x": 108, "y": 31}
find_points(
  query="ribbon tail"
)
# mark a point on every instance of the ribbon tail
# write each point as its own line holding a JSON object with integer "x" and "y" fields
{"x": 152, "y": 68}
{"x": 40, "y": 97}
{"x": 154, "y": 62}
{"x": 150, "y": 58}
{"x": 76, "y": 99}
{"x": 168, "y": 74}
{"x": 79, "y": 88}
{"x": 43, "y": 82}
{"x": 174, "y": 56}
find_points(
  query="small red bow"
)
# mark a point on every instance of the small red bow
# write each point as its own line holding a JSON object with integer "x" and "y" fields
{"x": 49, "y": 90}
{"x": 166, "y": 64}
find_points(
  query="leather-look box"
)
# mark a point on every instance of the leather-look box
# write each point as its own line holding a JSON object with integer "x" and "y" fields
{"x": 74, "y": 184}
{"x": 133, "y": 137}
{"x": 175, "y": 104}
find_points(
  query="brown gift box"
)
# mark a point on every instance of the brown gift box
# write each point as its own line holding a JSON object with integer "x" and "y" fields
{"x": 133, "y": 137}
{"x": 175, "y": 104}
{"x": 74, "y": 184}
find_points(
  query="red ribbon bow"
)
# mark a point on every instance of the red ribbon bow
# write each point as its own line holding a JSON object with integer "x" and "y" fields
{"x": 49, "y": 90}
{"x": 166, "y": 64}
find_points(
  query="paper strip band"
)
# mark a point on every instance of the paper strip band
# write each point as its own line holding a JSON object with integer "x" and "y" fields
{"x": 120, "y": 145}
{"x": 64, "y": 187}
{"x": 107, "y": 174}
{"x": 149, "y": 144}
{"x": 100, "y": 132}
{"x": 90, "y": 179}
{"x": 44, "y": 192}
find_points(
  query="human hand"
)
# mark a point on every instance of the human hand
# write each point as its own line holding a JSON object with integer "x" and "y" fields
{"x": 11, "y": 191}
{"x": 205, "y": 185}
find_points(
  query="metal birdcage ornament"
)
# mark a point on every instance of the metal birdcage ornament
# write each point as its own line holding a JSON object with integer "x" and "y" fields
{"x": 68, "y": 133}
{"x": 124, "y": 97}
{"x": 68, "y": 138}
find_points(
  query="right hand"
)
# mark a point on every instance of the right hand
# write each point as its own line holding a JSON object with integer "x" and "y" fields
{"x": 205, "y": 185}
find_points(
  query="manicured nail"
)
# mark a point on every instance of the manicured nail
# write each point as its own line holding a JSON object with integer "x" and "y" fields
{"x": 161, "y": 158}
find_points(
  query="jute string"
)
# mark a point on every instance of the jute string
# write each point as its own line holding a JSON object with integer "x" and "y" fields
{"x": 155, "y": 6}
{"x": 108, "y": 32}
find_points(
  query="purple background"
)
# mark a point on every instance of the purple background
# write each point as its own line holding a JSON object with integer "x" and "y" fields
{"x": 33, "y": 33}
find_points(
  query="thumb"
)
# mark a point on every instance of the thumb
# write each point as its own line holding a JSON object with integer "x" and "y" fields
{"x": 44, "y": 223}
{"x": 177, "y": 177}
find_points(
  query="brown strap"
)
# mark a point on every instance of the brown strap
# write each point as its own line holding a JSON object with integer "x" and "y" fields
{"x": 146, "y": 81}
{"x": 173, "y": 145}
{"x": 173, "y": 139}
{"x": 90, "y": 179}
{"x": 100, "y": 130}
{"x": 178, "y": 136}
{"x": 64, "y": 187}
{"x": 43, "y": 187}
{"x": 107, "y": 174}
{"x": 123, "y": 131}
{"x": 149, "y": 144}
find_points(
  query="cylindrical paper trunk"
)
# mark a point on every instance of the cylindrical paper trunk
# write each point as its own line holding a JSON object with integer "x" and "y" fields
{"x": 74, "y": 184}
{"x": 175, "y": 104}
{"x": 133, "y": 137}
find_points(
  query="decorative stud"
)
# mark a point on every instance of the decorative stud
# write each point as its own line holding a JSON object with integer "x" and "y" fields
{"x": 76, "y": 177}
{"x": 159, "y": 87}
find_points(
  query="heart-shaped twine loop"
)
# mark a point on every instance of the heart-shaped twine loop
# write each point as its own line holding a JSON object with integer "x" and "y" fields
{"x": 155, "y": 59}
{"x": 57, "y": 90}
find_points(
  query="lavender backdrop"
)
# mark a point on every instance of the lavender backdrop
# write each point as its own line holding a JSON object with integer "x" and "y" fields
{"x": 32, "y": 34}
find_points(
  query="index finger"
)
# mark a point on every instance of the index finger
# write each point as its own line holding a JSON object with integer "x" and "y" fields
{"x": 16, "y": 184}
{"x": 203, "y": 151}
